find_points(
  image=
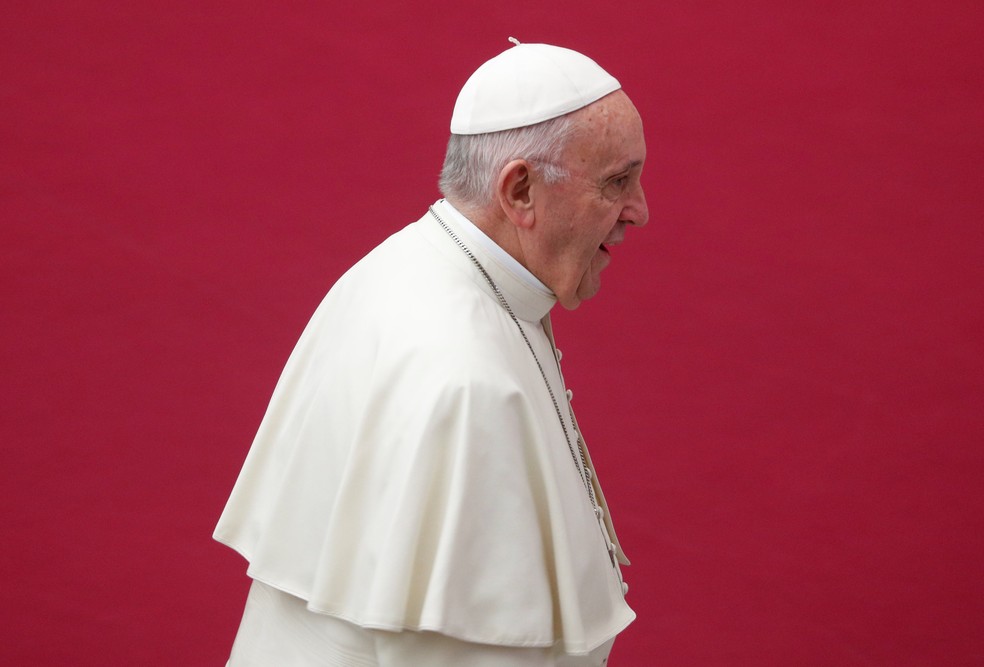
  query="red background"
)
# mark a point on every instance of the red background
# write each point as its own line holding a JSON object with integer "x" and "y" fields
{"x": 781, "y": 380}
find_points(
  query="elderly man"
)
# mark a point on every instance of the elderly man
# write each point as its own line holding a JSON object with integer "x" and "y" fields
{"x": 419, "y": 492}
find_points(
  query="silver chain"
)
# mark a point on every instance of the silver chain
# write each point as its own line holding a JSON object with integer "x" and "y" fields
{"x": 580, "y": 461}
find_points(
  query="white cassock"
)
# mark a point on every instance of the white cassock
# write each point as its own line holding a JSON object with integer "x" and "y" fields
{"x": 411, "y": 496}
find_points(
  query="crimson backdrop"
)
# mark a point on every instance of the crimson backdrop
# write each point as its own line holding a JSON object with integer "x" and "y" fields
{"x": 781, "y": 380}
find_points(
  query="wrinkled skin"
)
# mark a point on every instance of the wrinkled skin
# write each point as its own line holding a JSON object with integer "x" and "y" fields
{"x": 578, "y": 220}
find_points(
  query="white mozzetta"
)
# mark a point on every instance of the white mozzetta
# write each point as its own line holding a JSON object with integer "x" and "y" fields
{"x": 411, "y": 472}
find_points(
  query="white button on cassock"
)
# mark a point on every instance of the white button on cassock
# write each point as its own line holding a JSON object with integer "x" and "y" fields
{"x": 570, "y": 395}
{"x": 625, "y": 588}
{"x": 558, "y": 354}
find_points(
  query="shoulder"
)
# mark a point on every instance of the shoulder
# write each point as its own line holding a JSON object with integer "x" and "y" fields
{"x": 414, "y": 295}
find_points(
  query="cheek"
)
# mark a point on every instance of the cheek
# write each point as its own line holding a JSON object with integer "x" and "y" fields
{"x": 583, "y": 235}
{"x": 589, "y": 252}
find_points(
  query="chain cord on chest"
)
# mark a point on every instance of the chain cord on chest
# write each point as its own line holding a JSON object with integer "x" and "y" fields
{"x": 578, "y": 457}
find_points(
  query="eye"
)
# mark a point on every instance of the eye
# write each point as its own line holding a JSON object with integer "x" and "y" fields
{"x": 615, "y": 187}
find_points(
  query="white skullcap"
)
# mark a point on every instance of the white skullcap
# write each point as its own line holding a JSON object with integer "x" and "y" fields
{"x": 528, "y": 84}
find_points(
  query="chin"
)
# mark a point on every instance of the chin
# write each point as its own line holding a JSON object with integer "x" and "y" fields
{"x": 572, "y": 304}
{"x": 581, "y": 296}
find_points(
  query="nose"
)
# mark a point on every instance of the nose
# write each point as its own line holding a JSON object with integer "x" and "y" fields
{"x": 636, "y": 210}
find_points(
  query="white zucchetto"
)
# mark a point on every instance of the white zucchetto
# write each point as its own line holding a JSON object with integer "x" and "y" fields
{"x": 528, "y": 84}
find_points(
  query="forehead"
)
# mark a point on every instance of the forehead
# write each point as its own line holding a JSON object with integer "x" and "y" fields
{"x": 609, "y": 136}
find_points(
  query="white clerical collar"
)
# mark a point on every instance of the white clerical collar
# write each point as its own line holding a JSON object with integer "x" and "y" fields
{"x": 507, "y": 261}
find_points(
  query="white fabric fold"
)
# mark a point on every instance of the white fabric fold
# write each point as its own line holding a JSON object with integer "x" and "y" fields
{"x": 278, "y": 630}
{"x": 411, "y": 472}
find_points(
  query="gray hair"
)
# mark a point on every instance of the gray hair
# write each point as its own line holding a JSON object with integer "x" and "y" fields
{"x": 473, "y": 161}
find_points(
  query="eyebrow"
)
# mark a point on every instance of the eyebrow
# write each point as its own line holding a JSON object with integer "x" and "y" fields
{"x": 625, "y": 168}
{"x": 629, "y": 166}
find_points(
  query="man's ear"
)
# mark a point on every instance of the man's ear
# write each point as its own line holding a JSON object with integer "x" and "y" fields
{"x": 514, "y": 190}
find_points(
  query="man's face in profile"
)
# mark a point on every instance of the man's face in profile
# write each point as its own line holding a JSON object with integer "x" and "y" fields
{"x": 580, "y": 218}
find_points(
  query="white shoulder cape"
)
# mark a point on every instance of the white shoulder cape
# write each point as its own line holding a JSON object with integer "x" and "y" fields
{"x": 411, "y": 471}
